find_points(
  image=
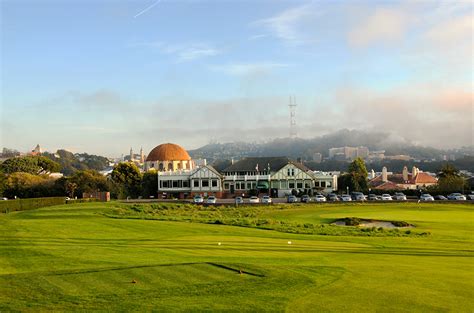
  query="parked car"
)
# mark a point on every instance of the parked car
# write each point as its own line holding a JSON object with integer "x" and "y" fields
{"x": 470, "y": 196}
{"x": 457, "y": 196}
{"x": 198, "y": 199}
{"x": 357, "y": 196}
{"x": 266, "y": 199}
{"x": 211, "y": 200}
{"x": 4, "y": 198}
{"x": 440, "y": 197}
{"x": 426, "y": 197}
{"x": 372, "y": 197}
{"x": 305, "y": 199}
{"x": 386, "y": 197}
{"x": 399, "y": 196}
{"x": 346, "y": 198}
{"x": 239, "y": 200}
{"x": 320, "y": 198}
{"x": 332, "y": 197}
{"x": 292, "y": 199}
{"x": 254, "y": 199}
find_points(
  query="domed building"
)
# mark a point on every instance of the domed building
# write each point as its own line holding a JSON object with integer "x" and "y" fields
{"x": 169, "y": 157}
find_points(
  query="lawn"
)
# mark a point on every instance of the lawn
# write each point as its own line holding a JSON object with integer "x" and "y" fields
{"x": 87, "y": 257}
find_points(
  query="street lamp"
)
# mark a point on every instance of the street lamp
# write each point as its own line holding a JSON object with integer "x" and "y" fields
{"x": 347, "y": 188}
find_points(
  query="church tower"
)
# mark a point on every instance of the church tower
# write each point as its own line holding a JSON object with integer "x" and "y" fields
{"x": 142, "y": 156}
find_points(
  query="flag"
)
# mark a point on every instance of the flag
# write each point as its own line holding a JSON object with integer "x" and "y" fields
{"x": 256, "y": 167}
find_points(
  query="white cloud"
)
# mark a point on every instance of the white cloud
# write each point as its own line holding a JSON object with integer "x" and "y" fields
{"x": 246, "y": 69}
{"x": 184, "y": 52}
{"x": 386, "y": 25}
{"x": 289, "y": 24}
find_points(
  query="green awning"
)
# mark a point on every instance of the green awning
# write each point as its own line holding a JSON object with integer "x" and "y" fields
{"x": 263, "y": 185}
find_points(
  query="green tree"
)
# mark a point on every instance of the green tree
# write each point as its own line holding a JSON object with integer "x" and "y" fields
{"x": 450, "y": 180}
{"x": 87, "y": 181}
{"x": 356, "y": 178}
{"x": 3, "y": 181}
{"x": 26, "y": 185}
{"x": 30, "y": 164}
{"x": 149, "y": 184}
{"x": 126, "y": 178}
{"x": 70, "y": 188}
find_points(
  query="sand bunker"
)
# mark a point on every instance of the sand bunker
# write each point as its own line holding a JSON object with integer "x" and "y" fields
{"x": 373, "y": 223}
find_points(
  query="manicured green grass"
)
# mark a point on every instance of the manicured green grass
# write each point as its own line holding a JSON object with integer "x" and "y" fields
{"x": 75, "y": 258}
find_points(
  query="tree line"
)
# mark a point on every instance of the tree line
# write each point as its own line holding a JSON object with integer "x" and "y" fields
{"x": 29, "y": 177}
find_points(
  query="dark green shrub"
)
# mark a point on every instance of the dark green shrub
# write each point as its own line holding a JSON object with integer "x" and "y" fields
{"x": 352, "y": 221}
{"x": 29, "y": 204}
{"x": 400, "y": 224}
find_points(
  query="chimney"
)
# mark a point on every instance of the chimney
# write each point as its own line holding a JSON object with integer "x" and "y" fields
{"x": 405, "y": 173}
{"x": 372, "y": 174}
{"x": 384, "y": 174}
{"x": 413, "y": 172}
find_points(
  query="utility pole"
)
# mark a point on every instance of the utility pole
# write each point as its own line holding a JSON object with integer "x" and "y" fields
{"x": 292, "y": 106}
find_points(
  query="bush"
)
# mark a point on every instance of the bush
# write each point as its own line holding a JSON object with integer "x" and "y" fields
{"x": 29, "y": 204}
{"x": 352, "y": 221}
{"x": 400, "y": 224}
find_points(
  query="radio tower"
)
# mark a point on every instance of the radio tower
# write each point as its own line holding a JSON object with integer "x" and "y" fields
{"x": 292, "y": 107}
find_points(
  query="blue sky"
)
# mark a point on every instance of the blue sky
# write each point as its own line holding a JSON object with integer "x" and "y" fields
{"x": 101, "y": 76}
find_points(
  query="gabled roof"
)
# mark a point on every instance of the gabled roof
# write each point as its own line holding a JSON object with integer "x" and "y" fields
{"x": 250, "y": 164}
{"x": 424, "y": 178}
{"x": 386, "y": 186}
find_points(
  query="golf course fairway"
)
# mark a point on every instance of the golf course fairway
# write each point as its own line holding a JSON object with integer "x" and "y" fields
{"x": 85, "y": 257}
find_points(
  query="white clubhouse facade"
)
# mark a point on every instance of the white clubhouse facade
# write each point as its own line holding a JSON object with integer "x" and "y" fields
{"x": 275, "y": 176}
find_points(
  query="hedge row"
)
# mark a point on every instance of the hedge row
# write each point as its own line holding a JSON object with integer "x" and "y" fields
{"x": 35, "y": 203}
{"x": 29, "y": 204}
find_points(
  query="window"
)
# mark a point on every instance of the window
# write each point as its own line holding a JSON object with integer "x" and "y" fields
{"x": 291, "y": 185}
{"x": 214, "y": 183}
{"x": 185, "y": 183}
{"x": 299, "y": 185}
{"x": 323, "y": 184}
{"x": 288, "y": 172}
{"x": 284, "y": 184}
{"x": 226, "y": 186}
{"x": 196, "y": 183}
{"x": 170, "y": 166}
{"x": 205, "y": 183}
{"x": 175, "y": 184}
{"x": 306, "y": 185}
{"x": 152, "y": 165}
{"x": 249, "y": 185}
{"x": 317, "y": 184}
{"x": 291, "y": 172}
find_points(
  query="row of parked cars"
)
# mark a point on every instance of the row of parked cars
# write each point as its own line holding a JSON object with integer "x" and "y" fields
{"x": 359, "y": 196}
{"x": 354, "y": 196}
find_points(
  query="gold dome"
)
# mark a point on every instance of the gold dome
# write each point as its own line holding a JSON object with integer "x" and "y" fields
{"x": 168, "y": 152}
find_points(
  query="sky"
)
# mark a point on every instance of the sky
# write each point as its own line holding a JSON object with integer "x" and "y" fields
{"x": 105, "y": 75}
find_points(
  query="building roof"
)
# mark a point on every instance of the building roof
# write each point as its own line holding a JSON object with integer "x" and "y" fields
{"x": 425, "y": 178}
{"x": 397, "y": 179}
{"x": 168, "y": 152}
{"x": 250, "y": 164}
{"x": 388, "y": 185}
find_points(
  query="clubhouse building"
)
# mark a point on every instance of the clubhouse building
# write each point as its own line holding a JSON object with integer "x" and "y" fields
{"x": 178, "y": 176}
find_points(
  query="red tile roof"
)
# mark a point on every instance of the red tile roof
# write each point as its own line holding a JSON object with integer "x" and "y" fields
{"x": 424, "y": 178}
